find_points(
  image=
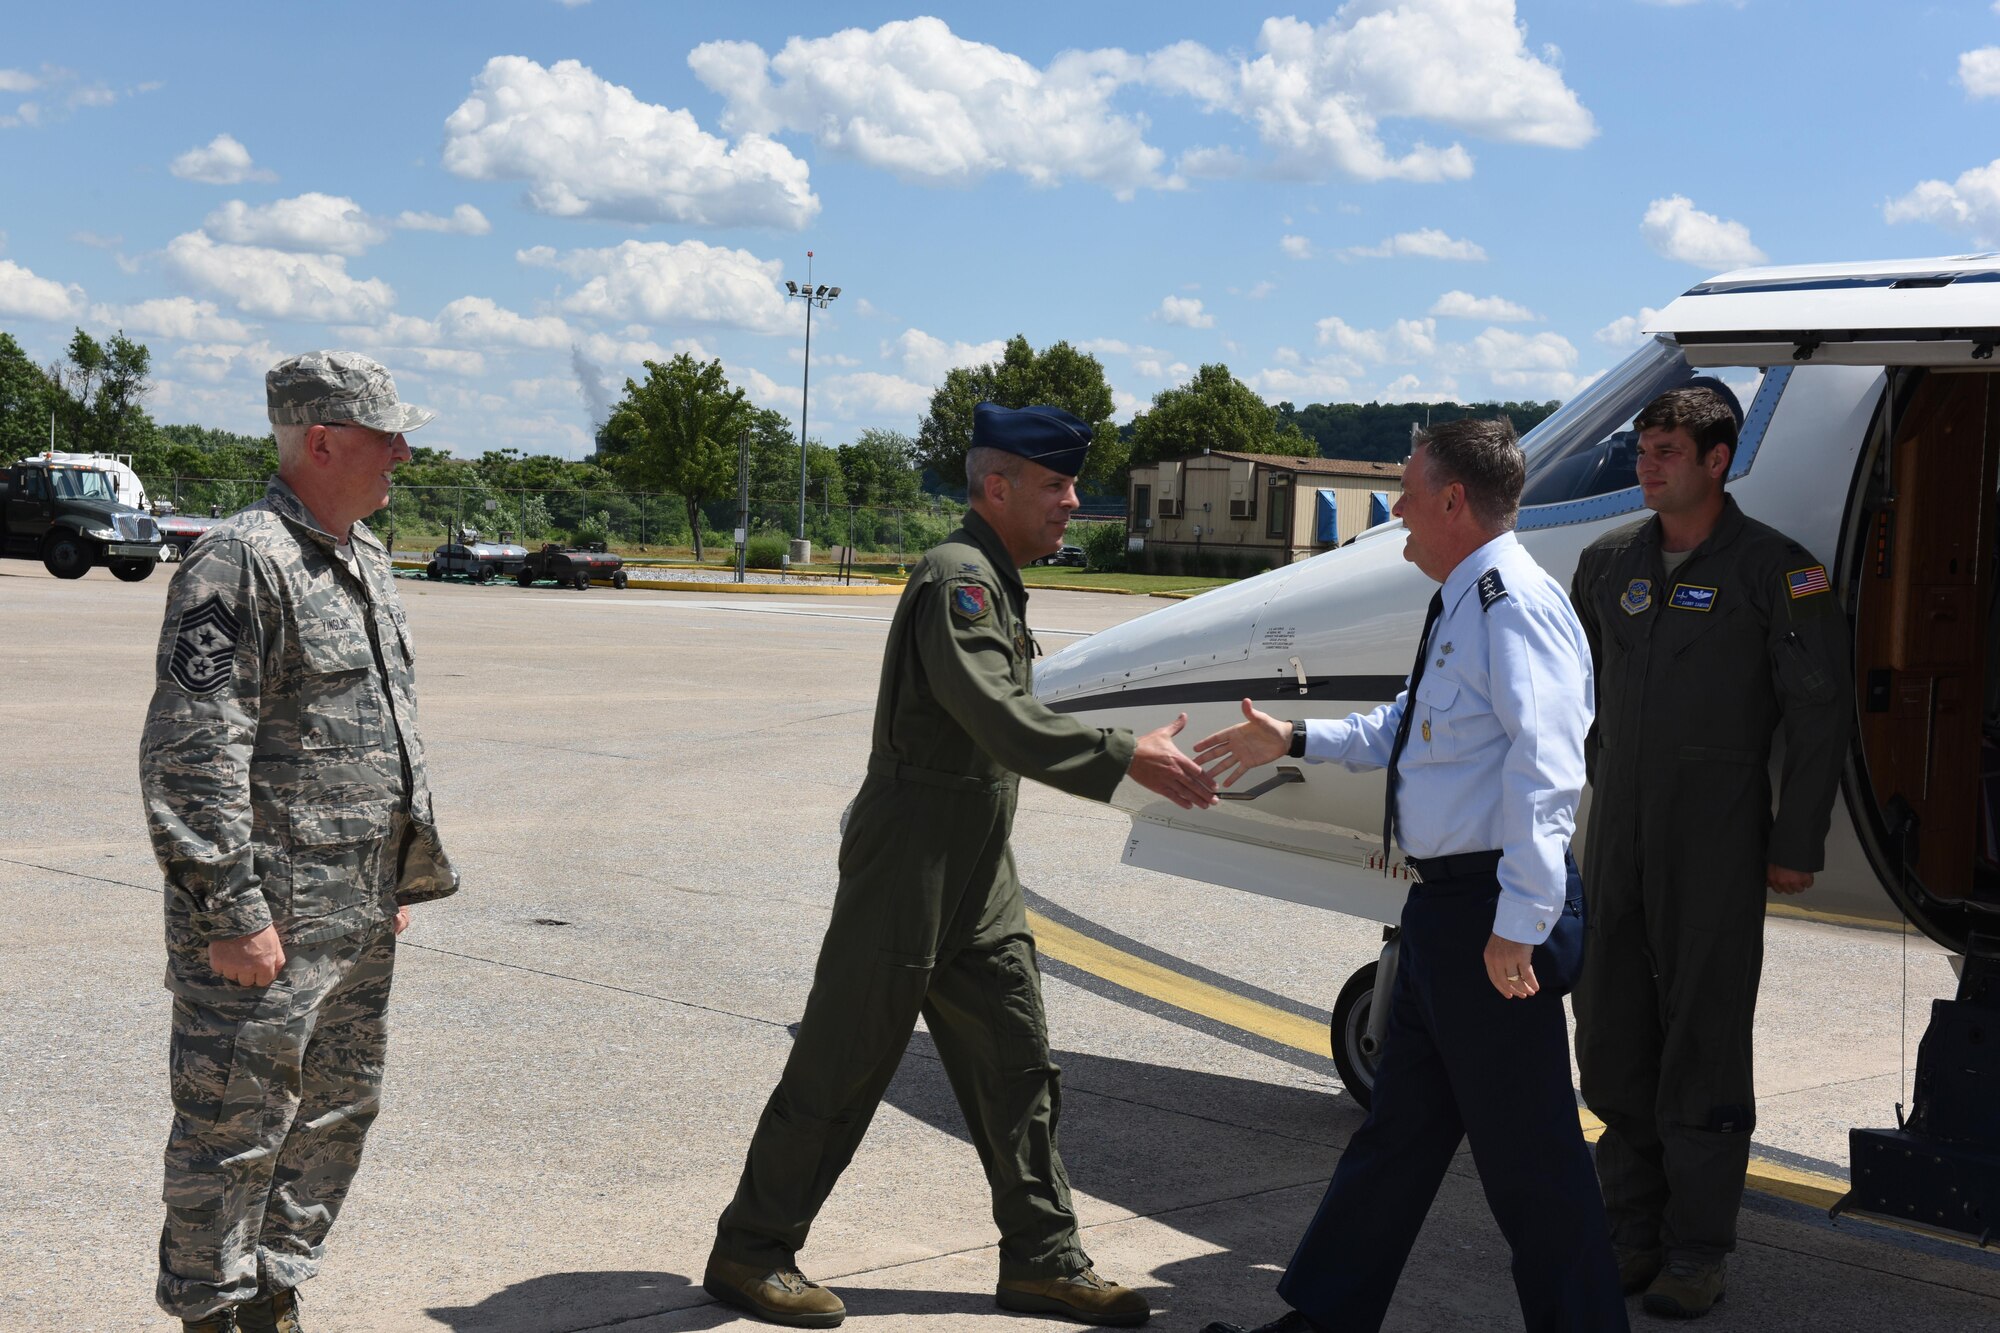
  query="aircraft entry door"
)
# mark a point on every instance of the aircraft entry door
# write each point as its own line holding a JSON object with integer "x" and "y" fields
{"x": 1925, "y": 619}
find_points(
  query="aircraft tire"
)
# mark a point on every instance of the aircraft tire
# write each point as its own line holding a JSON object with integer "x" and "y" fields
{"x": 1349, "y": 1027}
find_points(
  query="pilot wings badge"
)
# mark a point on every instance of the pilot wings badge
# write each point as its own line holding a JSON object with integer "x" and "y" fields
{"x": 204, "y": 653}
{"x": 1638, "y": 596}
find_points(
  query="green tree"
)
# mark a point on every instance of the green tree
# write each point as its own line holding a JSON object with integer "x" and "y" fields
{"x": 774, "y": 466}
{"x": 1214, "y": 410}
{"x": 117, "y": 420}
{"x": 880, "y": 467}
{"x": 1059, "y": 376}
{"x": 27, "y": 396}
{"x": 678, "y": 432}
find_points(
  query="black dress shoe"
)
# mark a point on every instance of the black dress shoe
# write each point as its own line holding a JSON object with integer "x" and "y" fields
{"x": 1291, "y": 1321}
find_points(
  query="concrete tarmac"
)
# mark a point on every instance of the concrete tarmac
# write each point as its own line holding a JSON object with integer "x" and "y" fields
{"x": 642, "y": 790}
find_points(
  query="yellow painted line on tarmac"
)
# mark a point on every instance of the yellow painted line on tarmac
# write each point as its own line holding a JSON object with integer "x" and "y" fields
{"x": 1150, "y": 979}
{"x": 1170, "y": 987}
{"x": 1793, "y": 912}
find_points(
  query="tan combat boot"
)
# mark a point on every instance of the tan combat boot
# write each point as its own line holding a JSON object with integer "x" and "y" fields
{"x": 1084, "y": 1297}
{"x": 775, "y": 1295}
{"x": 1687, "y": 1288}
{"x": 1637, "y": 1267}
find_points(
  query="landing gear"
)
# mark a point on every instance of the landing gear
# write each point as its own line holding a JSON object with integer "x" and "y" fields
{"x": 1359, "y": 1022}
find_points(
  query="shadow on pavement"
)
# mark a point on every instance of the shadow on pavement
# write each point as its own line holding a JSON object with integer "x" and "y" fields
{"x": 556, "y": 1301}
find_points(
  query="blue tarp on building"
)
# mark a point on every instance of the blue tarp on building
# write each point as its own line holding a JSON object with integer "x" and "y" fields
{"x": 1326, "y": 527}
{"x": 1378, "y": 507}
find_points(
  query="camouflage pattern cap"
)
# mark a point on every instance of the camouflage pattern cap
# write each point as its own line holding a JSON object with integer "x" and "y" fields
{"x": 323, "y": 387}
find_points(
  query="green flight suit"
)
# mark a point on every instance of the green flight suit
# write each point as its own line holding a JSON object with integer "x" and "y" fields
{"x": 928, "y": 919}
{"x": 1697, "y": 673}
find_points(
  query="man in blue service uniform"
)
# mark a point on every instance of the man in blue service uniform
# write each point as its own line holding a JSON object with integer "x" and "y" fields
{"x": 1484, "y": 749}
{"x": 1710, "y": 632}
{"x": 928, "y": 916}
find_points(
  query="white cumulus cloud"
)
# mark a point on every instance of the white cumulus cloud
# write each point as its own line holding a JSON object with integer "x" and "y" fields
{"x": 313, "y": 223}
{"x": 1492, "y": 309}
{"x": 687, "y": 282}
{"x": 1296, "y": 247}
{"x": 913, "y": 98}
{"x": 1185, "y": 311}
{"x": 1677, "y": 230}
{"x": 1318, "y": 95}
{"x": 175, "y": 317}
{"x": 24, "y": 294}
{"x": 1970, "y": 204}
{"x": 1626, "y": 330}
{"x": 869, "y": 393}
{"x": 221, "y": 161}
{"x": 926, "y": 358}
{"x": 589, "y": 148}
{"x": 262, "y": 281}
{"x": 1424, "y": 243}
{"x": 1979, "y": 71}
{"x": 465, "y": 220}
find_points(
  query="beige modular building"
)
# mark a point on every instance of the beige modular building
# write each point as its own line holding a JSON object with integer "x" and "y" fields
{"x": 1287, "y": 507}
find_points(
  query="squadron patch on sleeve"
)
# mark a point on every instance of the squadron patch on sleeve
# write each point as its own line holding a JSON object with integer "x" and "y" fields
{"x": 968, "y": 600}
{"x": 204, "y": 655}
{"x": 1491, "y": 589}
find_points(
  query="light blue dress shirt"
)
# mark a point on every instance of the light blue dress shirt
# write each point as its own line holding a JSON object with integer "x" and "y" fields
{"x": 1495, "y": 756}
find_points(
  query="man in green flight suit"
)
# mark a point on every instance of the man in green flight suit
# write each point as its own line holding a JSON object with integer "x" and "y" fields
{"x": 928, "y": 917}
{"x": 1711, "y": 634}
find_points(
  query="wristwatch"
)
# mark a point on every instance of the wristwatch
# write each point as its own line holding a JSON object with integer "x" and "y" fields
{"x": 1298, "y": 750}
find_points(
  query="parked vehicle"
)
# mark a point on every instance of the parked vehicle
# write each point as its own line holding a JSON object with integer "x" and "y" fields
{"x": 574, "y": 567}
{"x": 1066, "y": 555}
{"x": 67, "y": 515}
{"x": 477, "y": 560}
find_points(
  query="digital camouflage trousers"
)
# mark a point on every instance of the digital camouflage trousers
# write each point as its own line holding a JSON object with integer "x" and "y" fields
{"x": 274, "y": 1089}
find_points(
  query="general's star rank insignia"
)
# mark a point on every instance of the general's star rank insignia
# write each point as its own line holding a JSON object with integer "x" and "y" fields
{"x": 204, "y": 654}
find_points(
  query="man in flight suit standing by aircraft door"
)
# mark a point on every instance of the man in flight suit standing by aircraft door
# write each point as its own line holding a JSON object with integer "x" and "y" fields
{"x": 928, "y": 918}
{"x": 1710, "y": 632}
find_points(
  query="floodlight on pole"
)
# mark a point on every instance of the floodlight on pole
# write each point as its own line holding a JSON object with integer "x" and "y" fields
{"x": 812, "y": 298}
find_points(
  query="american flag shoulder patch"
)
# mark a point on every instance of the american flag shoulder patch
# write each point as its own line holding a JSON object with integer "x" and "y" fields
{"x": 1805, "y": 582}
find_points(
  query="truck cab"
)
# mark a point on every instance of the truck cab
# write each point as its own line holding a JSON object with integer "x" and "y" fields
{"x": 67, "y": 514}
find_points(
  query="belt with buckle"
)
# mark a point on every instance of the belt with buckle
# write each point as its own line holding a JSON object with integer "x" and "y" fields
{"x": 1459, "y": 865}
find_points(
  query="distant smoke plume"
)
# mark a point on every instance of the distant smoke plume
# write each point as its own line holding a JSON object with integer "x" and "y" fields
{"x": 590, "y": 383}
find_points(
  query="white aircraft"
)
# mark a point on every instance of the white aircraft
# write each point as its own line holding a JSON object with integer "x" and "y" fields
{"x": 1871, "y": 426}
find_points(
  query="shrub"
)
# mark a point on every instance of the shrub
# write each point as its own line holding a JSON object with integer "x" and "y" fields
{"x": 1104, "y": 544}
{"x": 766, "y": 550}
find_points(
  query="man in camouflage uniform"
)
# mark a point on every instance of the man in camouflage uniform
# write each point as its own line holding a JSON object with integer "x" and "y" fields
{"x": 928, "y": 918}
{"x": 286, "y": 797}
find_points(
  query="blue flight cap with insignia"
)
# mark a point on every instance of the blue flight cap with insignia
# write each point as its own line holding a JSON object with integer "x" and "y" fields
{"x": 1045, "y": 435}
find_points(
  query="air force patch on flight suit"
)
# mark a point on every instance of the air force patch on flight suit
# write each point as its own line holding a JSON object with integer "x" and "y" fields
{"x": 1692, "y": 597}
{"x": 1638, "y": 595}
{"x": 968, "y": 600}
{"x": 204, "y": 654}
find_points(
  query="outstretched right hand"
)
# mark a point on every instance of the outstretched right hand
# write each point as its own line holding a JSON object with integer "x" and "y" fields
{"x": 1159, "y": 766}
{"x": 1257, "y": 739}
{"x": 249, "y": 960}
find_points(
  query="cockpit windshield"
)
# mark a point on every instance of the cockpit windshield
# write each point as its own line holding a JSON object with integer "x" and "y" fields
{"x": 1588, "y": 447}
{"x": 73, "y": 483}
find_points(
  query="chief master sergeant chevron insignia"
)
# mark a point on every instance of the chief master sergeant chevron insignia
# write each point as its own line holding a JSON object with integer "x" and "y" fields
{"x": 205, "y": 647}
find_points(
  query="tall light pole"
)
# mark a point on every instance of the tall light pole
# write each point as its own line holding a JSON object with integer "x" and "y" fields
{"x": 812, "y": 297}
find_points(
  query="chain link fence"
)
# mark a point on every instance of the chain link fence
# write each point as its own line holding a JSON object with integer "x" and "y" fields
{"x": 634, "y": 523}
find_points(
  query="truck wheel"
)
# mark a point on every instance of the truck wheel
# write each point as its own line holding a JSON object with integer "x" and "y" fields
{"x": 433, "y": 571}
{"x": 582, "y": 581}
{"x": 619, "y": 580}
{"x": 525, "y": 579}
{"x": 1350, "y": 1031}
{"x": 131, "y": 571}
{"x": 67, "y": 556}
{"x": 481, "y": 574}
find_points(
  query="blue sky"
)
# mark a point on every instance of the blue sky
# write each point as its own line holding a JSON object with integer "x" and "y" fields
{"x": 514, "y": 204}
